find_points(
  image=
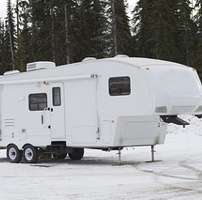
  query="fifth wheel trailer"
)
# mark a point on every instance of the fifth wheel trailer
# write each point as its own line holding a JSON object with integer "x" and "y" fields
{"x": 104, "y": 104}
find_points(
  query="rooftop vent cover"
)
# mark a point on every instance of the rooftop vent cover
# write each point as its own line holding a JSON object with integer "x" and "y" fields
{"x": 121, "y": 56}
{"x": 40, "y": 65}
{"x": 11, "y": 72}
{"x": 88, "y": 59}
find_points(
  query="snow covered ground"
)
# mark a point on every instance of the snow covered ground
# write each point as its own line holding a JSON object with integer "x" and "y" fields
{"x": 178, "y": 174}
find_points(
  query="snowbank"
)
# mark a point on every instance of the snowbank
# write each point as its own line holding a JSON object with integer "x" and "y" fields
{"x": 195, "y": 126}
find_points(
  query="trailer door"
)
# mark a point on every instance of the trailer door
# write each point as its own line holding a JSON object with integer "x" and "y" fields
{"x": 57, "y": 111}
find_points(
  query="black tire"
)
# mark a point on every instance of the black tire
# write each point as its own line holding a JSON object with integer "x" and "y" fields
{"x": 77, "y": 154}
{"x": 60, "y": 156}
{"x": 30, "y": 154}
{"x": 14, "y": 155}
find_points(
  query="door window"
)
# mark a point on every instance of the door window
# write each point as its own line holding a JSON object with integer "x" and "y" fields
{"x": 56, "y": 96}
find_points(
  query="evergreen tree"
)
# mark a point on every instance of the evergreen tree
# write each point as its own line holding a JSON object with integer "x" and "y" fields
{"x": 10, "y": 39}
{"x": 67, "y": 31}
{"x": 164, "y": 29}
{"x": 2, "y": 33}
{"x": 199, "y": 36}
{"x": 98, "y": 28}
{"x": 142, "y": 21}
{"x": 65, "y": 15}
{"x": 23, "y": 53}
{"x": 121, "y": 34}
{"x": 21, "y": 56}
{"x": 42, "y": 17}
{"x": 7, "y": 58}
{"x": 90, "y": 30}
{"x": 186, "y": 33}
{"x": 82, "y": 40}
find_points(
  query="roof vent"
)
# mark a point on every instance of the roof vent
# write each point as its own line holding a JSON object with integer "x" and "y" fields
{"x": 88, "y": 59}
{"x": 121, "y": 56}
{"x": 11, "y": 72}
{"x": 40, "y": 65}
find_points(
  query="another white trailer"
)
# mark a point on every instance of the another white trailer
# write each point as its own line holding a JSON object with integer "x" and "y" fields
{"x": 104, "y": 104}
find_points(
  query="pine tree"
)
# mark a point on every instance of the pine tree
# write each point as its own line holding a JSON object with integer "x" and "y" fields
{"x": 164, "y": 29}
{"x": 21, "y": 56}
{"x": 87, "y": 30}
{"x": 41, "y": 30}
{"x": 10, "y": 36}
{"x": 23, "y": 53}
{"x": 186, "y": 33}
{"x": 98, "y": 28}
{"x": 142, "y": 21}
{"x": 66, "y": 31}
{"x": 65, "y": 14}
{"x": 199, "y": 36}
{"x": 84, "y": 38}
{"x": 122, "y": 42}
{"x": 7, "y": 58}
{"x": 2, "y": 34}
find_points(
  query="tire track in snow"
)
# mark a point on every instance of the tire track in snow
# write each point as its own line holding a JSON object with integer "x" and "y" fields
{"x": 184, "y": 165}
{"x": 173, "y": 186}
{"x": 197, "y": 171}
{"x": 164, "y": 174}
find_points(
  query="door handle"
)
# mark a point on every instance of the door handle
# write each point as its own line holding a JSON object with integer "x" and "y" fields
{"x": 50, "y": 109}
{"x": 41, "y": 119}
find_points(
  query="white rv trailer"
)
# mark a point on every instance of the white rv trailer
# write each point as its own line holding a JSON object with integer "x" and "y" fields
{"x": 104, "y": 104}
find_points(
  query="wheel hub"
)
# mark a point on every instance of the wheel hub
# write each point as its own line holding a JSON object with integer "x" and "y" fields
{"x": 28, "y": 154}
{"x": 12, "y": 153}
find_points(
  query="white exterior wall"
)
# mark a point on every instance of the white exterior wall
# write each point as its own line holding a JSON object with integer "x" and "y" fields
{"x": 19, "y": 124}
{"x": 175, "y": 87}
{"x": 81, "y": 113}
{"x": 113, "y": 111}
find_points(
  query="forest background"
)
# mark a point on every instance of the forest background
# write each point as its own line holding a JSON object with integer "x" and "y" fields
{"x": 67, "y": 31}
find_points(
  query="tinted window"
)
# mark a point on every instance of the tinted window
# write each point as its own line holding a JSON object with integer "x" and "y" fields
{"x": 119, "y": 86}
{"x": 37, "y": 101}
{"x": 56, "y": 96}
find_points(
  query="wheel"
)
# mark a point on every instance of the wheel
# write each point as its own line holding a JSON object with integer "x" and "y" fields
{"x": 60, "y": 156}
{"x": 77, "y": 154}
{"x": 14, "y": 155}
{"x": 30, "y": 154}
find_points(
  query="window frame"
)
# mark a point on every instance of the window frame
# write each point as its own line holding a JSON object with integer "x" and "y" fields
{"x": 34, "y": 95}
{"x": 122, "y": 86}
{"x": 54, "y": 97}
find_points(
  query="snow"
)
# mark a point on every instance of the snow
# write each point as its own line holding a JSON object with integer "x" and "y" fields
{"x": 176, "y": 174}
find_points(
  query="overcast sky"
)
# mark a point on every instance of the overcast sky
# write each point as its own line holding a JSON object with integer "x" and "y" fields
{"x": 4, "y": 2}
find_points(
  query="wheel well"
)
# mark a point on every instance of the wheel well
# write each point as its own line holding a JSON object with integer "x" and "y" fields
{"x": 19, "y": 147}
{"x": 26, "y": 145}
{"x": 12, "y": 144}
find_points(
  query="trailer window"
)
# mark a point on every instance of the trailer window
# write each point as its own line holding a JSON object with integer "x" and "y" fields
{"x": 119, "y": 86}
{"x": 37, "y": 101}
{"x": 56, "y": 96}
